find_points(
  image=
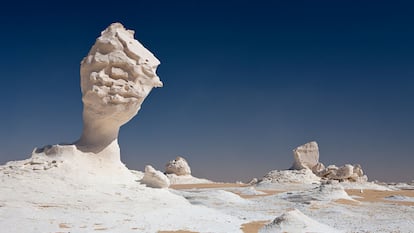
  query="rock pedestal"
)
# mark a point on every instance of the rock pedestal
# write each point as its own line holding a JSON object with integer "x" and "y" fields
{"x": 116, "y": 76}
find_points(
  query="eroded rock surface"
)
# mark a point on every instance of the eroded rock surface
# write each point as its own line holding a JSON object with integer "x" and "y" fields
{"x": 154, "y": 179}
{"x": 116, "y": 76}
{"x": 178, "y": 166}
{"x": 306, "y": 156}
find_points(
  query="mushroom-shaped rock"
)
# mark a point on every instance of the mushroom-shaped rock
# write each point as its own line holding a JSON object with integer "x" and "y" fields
{"x": 306, "y": 156}
{"x": 155, "y": 179}
{"x": 116, "y": 76}
{"x": 178, "y": 166}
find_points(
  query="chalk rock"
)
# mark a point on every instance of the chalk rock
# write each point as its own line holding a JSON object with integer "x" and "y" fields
{"x": 154, "y": 179}
{"x": 348, "y": 172}
{"x": 318, "y": 168}
{"x": 253, "y": 181}
{"x": 343, "y": 172}
{"x": 358, "y": 170}
{"x": 178, "y": 166}
{"x": 116, "y": 76}
{"x": 306, "y": 156}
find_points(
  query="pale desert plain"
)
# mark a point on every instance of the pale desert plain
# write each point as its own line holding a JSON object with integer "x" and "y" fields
{"x": 84, "y": 186}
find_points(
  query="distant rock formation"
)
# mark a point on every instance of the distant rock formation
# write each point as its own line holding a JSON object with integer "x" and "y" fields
{"x": 178, "y": 166}
{"x": 307, "y": 157}
{"x": 154, "y": 179}
{"x": 347, "y": 172}
{"x": 116, "y": 76}
{"x": 179, "y": 172}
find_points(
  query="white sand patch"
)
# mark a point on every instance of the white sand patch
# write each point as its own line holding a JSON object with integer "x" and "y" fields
{"x": 250, "y": 191}
{"x": 304, "y": 176}
{"x": 325, "y": 192}
{"x": 364, "y": 185}
{"x": 186, "y": 179}
{"x": 295, "y": 221}
{"x": 45, "y": 200}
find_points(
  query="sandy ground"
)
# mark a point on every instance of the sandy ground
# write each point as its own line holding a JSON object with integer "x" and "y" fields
{"x": 378, "y": 196}
{"x": 253, "y": 227}
{"x": 367, "y": 195}
{"x": 207, "y": 185}
{"x": 34, "y": 201}
{"x": 177, "y": 231}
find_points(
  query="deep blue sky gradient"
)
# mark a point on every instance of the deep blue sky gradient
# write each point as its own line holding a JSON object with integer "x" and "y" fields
{"x": 245, "y": 82}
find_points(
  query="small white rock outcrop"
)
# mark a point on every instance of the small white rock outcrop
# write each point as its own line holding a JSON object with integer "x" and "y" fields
{"x": 154, "y": 179}
{"x": 178, "y": 166}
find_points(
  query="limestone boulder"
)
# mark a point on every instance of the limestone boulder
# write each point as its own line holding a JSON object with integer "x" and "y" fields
{"x": 178, "y": 166}
{"x": 318, "y": 168}
{"x": 358, "y": 170}
{"x": 306, "y": 156}
{"x": 344, "y": 172}
{"x": 154, "y": 179}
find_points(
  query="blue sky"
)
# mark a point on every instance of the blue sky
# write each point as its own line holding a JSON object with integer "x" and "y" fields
{"x": 245, "y": 82}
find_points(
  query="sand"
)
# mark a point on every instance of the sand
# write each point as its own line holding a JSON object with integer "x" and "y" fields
{"x": 207, "y": 185}
{"x": 378, "y": 196}
{"x": 180, "y": 231}
{"x": 253, "y": 227}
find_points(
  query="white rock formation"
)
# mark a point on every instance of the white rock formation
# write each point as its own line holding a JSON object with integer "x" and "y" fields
{"x": 296, "y": 221}
{"x": 306, "y": 156}
{"x": 116, "y": 76}
{"x": 178, "y": 166}
{"x": 179, "y": 172}
{"x": 154, "y": 179}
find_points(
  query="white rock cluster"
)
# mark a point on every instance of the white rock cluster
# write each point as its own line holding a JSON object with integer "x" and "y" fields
{"x": 178, "y": 166}
{"x": 347, "y": 172}
{"x": 307, "y": 157}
